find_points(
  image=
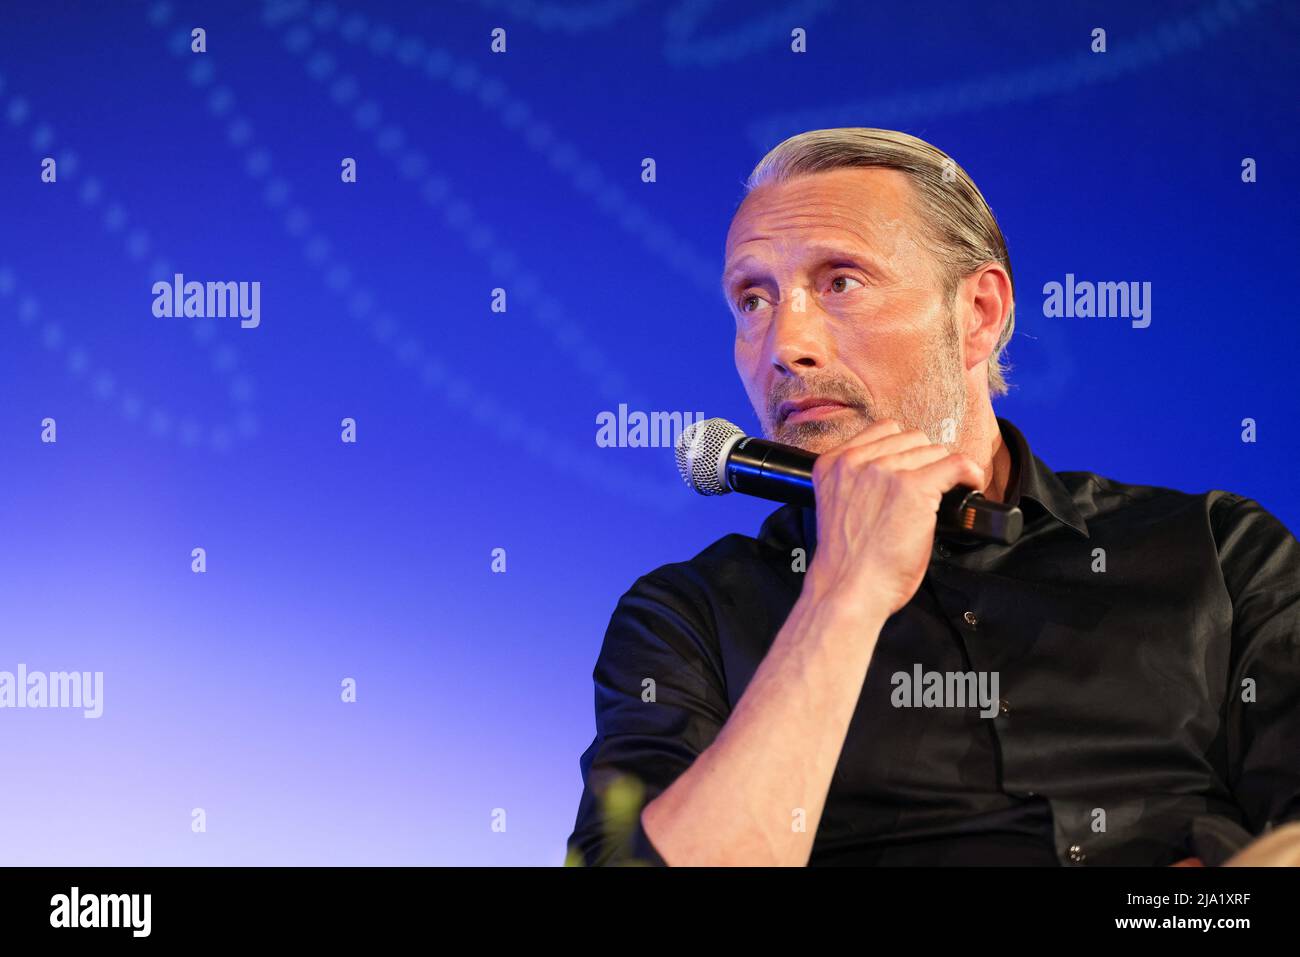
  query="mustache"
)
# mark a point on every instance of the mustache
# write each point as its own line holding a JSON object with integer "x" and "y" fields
{"x": 829, "y": 387}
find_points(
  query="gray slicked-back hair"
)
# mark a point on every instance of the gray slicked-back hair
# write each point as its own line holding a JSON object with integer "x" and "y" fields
{"x": 964, "y": 235}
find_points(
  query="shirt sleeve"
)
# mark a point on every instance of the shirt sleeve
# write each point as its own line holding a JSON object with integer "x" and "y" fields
{"x": 660, "y": 701}
{"x": 1260, "y": 560}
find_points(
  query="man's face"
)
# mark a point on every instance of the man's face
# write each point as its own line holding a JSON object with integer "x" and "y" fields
{"x": 875, "y": 338}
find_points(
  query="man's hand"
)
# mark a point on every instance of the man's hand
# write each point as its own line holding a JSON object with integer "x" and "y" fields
{"x": 1280, "y": 847}
{"x": 877, "y": 501}
{"x": 877, "y": 504}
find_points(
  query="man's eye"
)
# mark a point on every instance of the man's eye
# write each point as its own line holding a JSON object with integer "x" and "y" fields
{"x": 746, "y": 300}
{"x": 842, "y": 279}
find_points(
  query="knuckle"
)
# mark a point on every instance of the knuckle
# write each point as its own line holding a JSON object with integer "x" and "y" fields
{"x": 855, "y": 458}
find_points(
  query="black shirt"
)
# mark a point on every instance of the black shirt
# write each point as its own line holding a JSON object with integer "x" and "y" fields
{"x": 1146, "y": 643}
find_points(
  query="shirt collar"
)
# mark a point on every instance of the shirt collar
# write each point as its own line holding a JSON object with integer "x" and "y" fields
{"x": 1032, "y": 486}
{"x": 1036, "y": 482}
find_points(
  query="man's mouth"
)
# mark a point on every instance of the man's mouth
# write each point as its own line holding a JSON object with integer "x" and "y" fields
{"x": 809, "y": 410}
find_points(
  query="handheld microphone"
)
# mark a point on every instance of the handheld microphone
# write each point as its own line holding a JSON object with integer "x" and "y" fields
{"x": 715, "y": 458}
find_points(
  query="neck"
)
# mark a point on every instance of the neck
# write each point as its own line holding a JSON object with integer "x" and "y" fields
{"x": 982, "y": 441}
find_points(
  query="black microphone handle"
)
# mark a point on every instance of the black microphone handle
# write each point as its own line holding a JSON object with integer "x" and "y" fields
{"x": 783, "y": 473}
{"x": 966, "y": 513}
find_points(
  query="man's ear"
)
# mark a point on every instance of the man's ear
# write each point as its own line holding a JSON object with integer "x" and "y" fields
{"x": 985, "y": 299}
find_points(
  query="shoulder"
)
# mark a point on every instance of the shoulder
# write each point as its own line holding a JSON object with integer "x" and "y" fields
{"x": 689, "y": 589}
{"x": 692, "y": 603}
{"x": 669, "y": 624}
{"x": 1256, "y": 550}
{"x": 1110, "y": 494}
{"x": 1253, "y": 547}
{"x": 1218, "y": 510}
{"x": 1233, "y": 513}
{"x": 731, "y": 563}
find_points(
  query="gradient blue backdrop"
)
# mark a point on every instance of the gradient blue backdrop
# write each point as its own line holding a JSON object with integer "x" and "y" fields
{"x": 477, "y": 429}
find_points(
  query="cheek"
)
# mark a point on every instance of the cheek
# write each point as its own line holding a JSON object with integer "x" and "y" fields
{"x": 882, "y": 336}
{"x": 879, "y": 355}
{"x": 862, "y": 344}
{"x": 749, "y": 366}
{"x": 745, "y": 354}
{"x": 750, "y": 332}
{"x": 748, "y": 348}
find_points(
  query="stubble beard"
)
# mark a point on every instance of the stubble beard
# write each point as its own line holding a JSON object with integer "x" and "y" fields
{"x": 935, "y": 403}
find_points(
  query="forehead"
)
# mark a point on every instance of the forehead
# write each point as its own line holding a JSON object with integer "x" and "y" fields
{"x": 872, "y": 208}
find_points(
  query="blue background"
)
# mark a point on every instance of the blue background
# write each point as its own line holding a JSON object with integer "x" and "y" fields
{"x": 476, "y": 430}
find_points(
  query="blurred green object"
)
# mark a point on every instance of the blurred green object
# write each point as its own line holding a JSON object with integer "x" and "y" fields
{"x": 620, "y": 808}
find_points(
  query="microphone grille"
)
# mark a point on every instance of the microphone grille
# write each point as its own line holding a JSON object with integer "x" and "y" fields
{"x": 702, "y": 449}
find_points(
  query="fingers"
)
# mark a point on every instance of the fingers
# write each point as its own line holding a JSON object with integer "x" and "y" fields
{"x": 885, "y": 447}
{"x": 879, "y": 438}
{"x": 912, "y": 458}
{"x": 876, "y": 430}
{"x": 949, "y": 471}
{"x": 890, "y": 444}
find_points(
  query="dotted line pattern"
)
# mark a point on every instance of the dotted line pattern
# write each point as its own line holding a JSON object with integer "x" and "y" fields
{"x": 524, "y": 286}
{"x": 755, "y": 34}
{"x": 1060, "y": 76}
{"x": 681, "y": 48}
{"x": 410, "y": 352}
{"x": 138, "y": 245}
{"x": 584, "y": 175}
{"x": 572, "y": 20}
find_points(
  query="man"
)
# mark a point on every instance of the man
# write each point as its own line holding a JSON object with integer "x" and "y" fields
{"x": 1142, "y": 644}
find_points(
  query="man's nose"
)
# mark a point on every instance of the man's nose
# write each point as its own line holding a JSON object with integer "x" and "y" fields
{"x": 798, "y": 337}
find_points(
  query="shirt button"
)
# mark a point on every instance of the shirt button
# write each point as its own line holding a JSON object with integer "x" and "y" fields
{"x": 1076, "y": 854}
{"x": 943, "y": 551}
{"x": 1004, "y": 706}
{"x": 971, "y": 619}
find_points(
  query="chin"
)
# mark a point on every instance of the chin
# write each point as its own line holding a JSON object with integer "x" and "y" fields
{"x": 817, "y": 437}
